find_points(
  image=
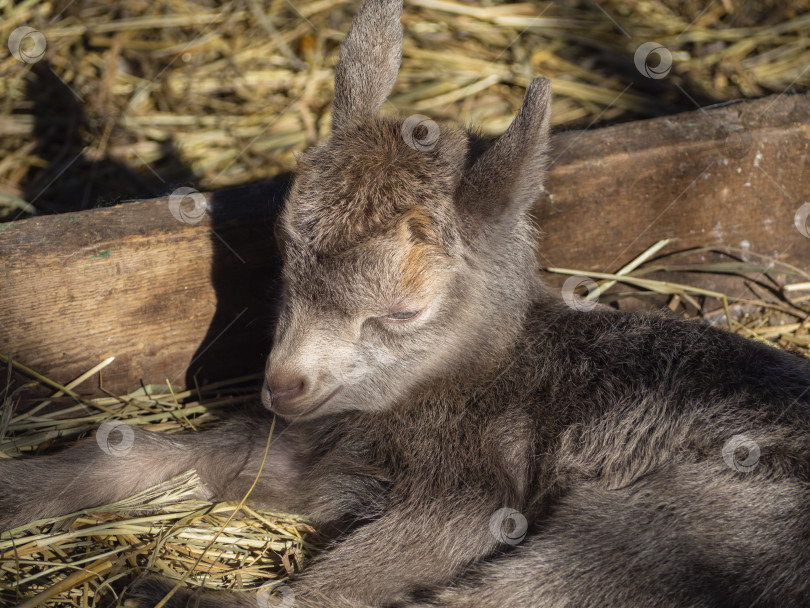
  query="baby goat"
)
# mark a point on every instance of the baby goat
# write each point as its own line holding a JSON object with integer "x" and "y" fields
{"x": 467, "y": 438}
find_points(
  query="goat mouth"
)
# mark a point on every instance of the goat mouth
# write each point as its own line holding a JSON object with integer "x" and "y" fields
{"x": 308, "y": 411}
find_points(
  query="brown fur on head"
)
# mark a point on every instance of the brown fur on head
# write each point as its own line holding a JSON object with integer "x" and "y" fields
{"x": 403, "y": 262}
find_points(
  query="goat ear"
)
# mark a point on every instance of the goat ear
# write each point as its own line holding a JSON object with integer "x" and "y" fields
{"x": 505, "y": 181}
{"x": 368, "y": 63}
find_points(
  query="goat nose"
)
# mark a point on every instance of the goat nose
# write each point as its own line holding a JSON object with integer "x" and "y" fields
{"x": 286, "y": 389}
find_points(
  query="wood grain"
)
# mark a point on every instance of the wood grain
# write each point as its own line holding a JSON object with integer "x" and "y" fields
{"x": 173, "y": 300}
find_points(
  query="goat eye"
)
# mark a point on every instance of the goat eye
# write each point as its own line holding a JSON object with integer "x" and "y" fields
{"x": 400, "y": 316}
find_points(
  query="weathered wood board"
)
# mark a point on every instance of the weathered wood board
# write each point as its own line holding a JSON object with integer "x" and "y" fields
{"x": 171, "y": 299}
{"x": 734, "y": 176}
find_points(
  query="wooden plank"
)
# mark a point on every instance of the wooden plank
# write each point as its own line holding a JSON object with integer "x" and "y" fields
{"x": 167, "y": 299}
{"x": 171, "y": 299}
{"x": 734, "y": 176}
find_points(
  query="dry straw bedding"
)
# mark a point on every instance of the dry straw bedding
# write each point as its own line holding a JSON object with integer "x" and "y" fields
{"x": 133, "y": 99}
{"x": 88, "y": 558}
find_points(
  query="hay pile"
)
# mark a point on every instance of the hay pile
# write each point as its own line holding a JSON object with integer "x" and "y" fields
{"x": 133, "y": 99}
{"x": 770, "y": 301}
{"x": 89, "y": 558}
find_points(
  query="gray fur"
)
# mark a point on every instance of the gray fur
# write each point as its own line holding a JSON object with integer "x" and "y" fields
{"x": 604, "y": 430}
{"x": 368, "y": 64}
